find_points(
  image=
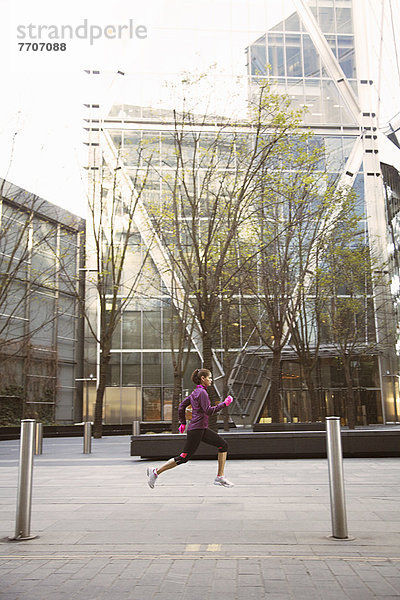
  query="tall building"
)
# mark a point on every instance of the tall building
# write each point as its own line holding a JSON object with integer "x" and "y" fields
{"x": 41, "y": 336}
{"x": 317, "y": 56}
{"x": 322, "y": 57}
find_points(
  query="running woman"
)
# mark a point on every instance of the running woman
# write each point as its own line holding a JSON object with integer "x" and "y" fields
{"x": 197, "y": 430}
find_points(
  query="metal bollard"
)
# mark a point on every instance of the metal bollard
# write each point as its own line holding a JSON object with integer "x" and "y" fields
{"x": 39, "y": 438}
{"x": 24, "y": 494}
{"x": 136, "y": 428}
{"x": 87, "y": 438}
{"x": 336, "y": 481}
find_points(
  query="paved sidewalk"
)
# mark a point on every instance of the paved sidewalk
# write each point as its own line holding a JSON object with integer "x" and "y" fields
{"x": 104, "y": 534}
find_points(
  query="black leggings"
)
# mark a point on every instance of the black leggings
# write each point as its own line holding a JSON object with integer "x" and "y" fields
{"x": 194, "y": 437}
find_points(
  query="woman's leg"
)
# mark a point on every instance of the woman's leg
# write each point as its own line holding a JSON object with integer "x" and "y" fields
{"x": 221, "y": 463}
{"x": 212, "y": 438}
{"x": 193, "y": 440}
{"x": 166, "y": 466}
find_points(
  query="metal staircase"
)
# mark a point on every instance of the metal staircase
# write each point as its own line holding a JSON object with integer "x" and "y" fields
{"x": 249, "y": 384}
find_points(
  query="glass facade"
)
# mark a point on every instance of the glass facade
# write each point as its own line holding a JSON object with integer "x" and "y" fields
{"x": 330, "y": 388}
{"x": 294, "y": 59}
{"x": 141, "y": 366}
{"x": 391, "y": 178}
{"x": 287, "y": 57}
{"x": 40, "y": 332}
{"x": 297, "y": 62}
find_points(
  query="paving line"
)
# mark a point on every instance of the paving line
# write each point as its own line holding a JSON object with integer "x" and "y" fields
{"x": 202, "y": 556}
{"x": 192, "y": 548}
{"x": 214, "y": 548}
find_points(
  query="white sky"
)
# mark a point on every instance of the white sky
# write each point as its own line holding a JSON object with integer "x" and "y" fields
{"x": 41, "y": 129}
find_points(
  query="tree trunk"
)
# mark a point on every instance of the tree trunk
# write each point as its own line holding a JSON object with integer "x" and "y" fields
{"x": 274, "y": 393}
{"x": 101, "y": 386}
{"x": 208, "y": 364}
{"x": 176, "y": 398}
{"x": 351, "y": 407}
{"x": 314, "y": 401}
{"x": 225, "y": 411}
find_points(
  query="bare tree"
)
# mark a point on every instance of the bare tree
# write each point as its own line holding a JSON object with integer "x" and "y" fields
{"x": 109, "y": 284}
{"x": 181, "y": 327}
{"x": 348, "y": 305}
{"x": 307, "y": 323}
{"x": 296, "y": 208}
{"x": 211, "y": 189}
{"x": 306, "y": 328}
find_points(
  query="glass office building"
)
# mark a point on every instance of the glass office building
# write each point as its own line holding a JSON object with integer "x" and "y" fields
{"x": 317, "y": 57}
{"x": 41, "y": 335}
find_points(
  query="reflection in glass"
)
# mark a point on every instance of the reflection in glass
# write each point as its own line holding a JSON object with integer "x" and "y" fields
{"x": 42, "y": 319}
{"x": 258, "y": 59}
{"x": 122, "y": 405}
{"x": 131, "y": 368}
{"x": 347, "y": 60}
{"x": 293, "y": 56}
{"x": 276, "y": 54}
{"x": 331, "y": 102}
{"x": 152, "y": 329}
{"x": 151, "y": 367}
{"x": 131, "y": 329}
{"x": 43, "y": 267}
{"x": 334, "y": 153}
{"x": 131, "y": 146}
{"x": 168, "y": 370}
{"x": 343, "y": 20}
{"x": 114, "y": 370}
{"x": 292, "y": 23}
{"x": 151, "y": 404}
{"x": 167, "y": 404}
{"x": 358, "y": 187}
{"x": 326, "y": 19}
{"x": 311, "y": 58}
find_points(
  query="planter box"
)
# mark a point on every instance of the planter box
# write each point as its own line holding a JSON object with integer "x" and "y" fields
{"x": 300, "y": 444}
{"x": 289, "y": 426}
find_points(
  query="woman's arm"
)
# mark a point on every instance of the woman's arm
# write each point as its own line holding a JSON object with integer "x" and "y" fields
{"x": 206, "y": 404}
{"x": 182, "y": 409}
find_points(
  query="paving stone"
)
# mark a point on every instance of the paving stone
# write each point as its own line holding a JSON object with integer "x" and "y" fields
{"x": 250, "y": 593}
{"x": 277, "y": 586}
{"x": 203, "y": 566}
{"x": 223, "y": 585}
{"x": 277, "y": 596}
{"x": 169, "y": 587}
{"x": 142, "y": 592}
{"x": 192, "y": 593}
{"x": 381, "y": 588}
{"x": 250, "y": 580}
{"x": 248, "y": 567}
{"x": 387, "y": 570}
{"x": 394, "y": 582}
{"x": 167, "y": 596}
{"x": 358, "y": 594}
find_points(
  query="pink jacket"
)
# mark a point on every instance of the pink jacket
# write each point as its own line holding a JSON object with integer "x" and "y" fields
{"x": 201, "y": 408}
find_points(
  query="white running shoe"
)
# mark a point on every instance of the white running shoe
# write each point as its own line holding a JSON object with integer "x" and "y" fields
{"x": 151, "y": 477}
{"x": 221, "y": 480}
